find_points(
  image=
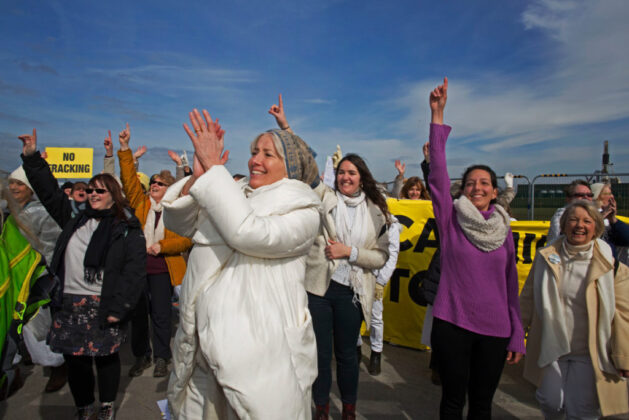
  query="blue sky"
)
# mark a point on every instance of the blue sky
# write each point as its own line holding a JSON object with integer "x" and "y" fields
{"x": 535, "y": 86}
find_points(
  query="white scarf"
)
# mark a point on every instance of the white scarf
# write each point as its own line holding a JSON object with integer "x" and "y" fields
{"x": 486, "y": 235}
{"x": 153, "y": 234}
{"x": 352, "y": 232}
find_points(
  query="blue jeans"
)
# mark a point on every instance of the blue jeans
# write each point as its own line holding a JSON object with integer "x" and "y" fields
{"x": 336, "y": 319}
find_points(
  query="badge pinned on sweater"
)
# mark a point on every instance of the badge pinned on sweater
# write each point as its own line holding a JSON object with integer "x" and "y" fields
{"x": 554, "y": 258}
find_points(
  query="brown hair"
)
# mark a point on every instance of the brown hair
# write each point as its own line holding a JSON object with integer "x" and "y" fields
{"x": 592, "y": 211}
{"x": 110, "y": 183}
{"x": 411, "y": 182}
{"x": 572, "y": 187}
{"x": 367, "y": 184}
{"x": 165, "y": 176}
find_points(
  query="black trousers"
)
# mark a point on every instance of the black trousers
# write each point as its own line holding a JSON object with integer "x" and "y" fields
{"x": 156, "y": 301}
{"x": 467, "y": 363}
{"x": 81, "y": 377}
{"x": 336, "y": 320}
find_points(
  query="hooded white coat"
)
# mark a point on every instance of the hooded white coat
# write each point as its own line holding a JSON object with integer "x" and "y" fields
{"x": 245, "y": 347}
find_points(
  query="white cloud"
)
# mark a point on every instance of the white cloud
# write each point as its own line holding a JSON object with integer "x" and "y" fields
{"x": 584, "y": 82}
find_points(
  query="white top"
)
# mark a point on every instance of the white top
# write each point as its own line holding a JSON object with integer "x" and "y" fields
{"x": 572, "y": 290}
{"x": 384, "y": 274}
{"x": 75, "y": 283}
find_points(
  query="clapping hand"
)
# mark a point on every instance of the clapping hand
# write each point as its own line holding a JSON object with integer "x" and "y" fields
{"x": 207, "y": 139}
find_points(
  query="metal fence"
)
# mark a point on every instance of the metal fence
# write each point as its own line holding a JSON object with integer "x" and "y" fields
{"x": 540, "y": 197}
{"x": 548, "y": 192}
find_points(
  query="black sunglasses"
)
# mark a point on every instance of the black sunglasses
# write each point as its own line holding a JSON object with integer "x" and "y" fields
{"x": 161, "y": 184}
{"x": 96, "y": 190}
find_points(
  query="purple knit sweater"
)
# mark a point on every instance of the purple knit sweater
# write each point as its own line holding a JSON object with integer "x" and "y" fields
{"x": 478, "y": 290}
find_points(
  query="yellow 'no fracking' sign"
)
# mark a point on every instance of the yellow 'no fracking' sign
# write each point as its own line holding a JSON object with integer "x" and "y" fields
{"x": 70, "y": 162}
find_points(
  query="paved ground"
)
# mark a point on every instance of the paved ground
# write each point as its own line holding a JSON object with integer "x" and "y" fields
{"x": 402, "y": 391}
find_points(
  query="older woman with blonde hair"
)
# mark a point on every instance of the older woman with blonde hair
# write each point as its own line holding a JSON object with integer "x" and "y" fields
{"x": 575, "y": 305}
{"x": 245, "y": 347}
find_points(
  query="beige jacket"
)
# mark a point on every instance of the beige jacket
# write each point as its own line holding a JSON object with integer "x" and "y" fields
{"x": 372, "y": 256}
{"x": 611, "y": 389}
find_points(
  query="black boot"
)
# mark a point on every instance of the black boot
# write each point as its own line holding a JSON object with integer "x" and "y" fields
{"x": 374, "y": 363}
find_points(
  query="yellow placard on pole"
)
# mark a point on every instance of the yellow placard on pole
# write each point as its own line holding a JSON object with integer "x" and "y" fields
{"x": 70, "y": 162}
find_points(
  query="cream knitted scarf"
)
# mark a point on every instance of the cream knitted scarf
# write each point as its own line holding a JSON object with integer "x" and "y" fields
{"x": 486, "y": 235}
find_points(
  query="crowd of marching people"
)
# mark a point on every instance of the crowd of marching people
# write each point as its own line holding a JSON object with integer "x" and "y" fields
{"x": 274, "y": 273}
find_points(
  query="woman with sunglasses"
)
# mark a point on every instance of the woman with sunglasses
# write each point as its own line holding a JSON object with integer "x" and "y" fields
{"x": 99, "y": 263}
{"x": 165, "y": 266}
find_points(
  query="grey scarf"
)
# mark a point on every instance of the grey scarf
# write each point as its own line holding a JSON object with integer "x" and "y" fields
{"x": 486, "y": 235}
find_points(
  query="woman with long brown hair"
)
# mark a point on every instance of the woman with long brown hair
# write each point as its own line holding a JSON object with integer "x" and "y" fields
{"x": 339, "y": 276}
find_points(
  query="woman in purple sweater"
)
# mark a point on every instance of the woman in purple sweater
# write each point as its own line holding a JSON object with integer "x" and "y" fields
{"x": 477, "y": 325}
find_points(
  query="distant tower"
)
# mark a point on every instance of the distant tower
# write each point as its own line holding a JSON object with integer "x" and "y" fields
{"x": 606, "y": 163}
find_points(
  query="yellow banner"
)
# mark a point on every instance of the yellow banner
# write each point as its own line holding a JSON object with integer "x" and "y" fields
{"x": 403, "y": 309}
{"x": 66, "y": 162}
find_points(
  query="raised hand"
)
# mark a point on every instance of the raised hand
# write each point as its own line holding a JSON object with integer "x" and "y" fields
{"x": 109, "y": 146}
{"x": 401, "y": 168}
{"x": 29, "y": 143}
{"x": 175, "y": 157}
{"x": 280, "y": 117}
{"x": 509, "y": 179}
{"x": 207, "y": 139}
{"x": 123, "y": 137}
{"x": 437, "y": 100}
{"x": 139, "y": 152}
{"x": 426, "y": 150}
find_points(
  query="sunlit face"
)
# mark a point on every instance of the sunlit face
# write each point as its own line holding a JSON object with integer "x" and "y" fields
{"x": 78, "y": 194}
{"x": 265, "y": 165}
{"x": 157, "y": 189}
{"x": 479, "y": 190}
{"x": 581, "y": 192}
{"x": 579, "y": 228}
{"x": 415, "y": 192}
{"x": 20, "y": 192}
{"x": 348, "y": 178}
{"x": 100, "y": 200}
{"x": 605, "y": 195}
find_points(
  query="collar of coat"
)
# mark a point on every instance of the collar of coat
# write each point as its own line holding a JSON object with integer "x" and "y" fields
{"x": 601, "y": 263}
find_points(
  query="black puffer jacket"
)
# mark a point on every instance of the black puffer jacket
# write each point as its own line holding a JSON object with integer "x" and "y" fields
{"x": 125, "y": 265}
{"x": 430, "y": 282}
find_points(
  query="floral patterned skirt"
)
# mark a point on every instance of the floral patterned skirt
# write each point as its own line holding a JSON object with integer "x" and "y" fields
{"x": 76, "y": 329}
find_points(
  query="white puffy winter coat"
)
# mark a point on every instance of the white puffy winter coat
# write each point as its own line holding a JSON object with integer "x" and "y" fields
{"x": 245, "y": 347}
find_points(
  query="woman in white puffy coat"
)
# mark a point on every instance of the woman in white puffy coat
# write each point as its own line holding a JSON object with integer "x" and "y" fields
{"x": 245, "y": 347}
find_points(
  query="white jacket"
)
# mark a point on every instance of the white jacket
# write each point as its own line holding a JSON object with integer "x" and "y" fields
{"x": 245, "y": 346}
